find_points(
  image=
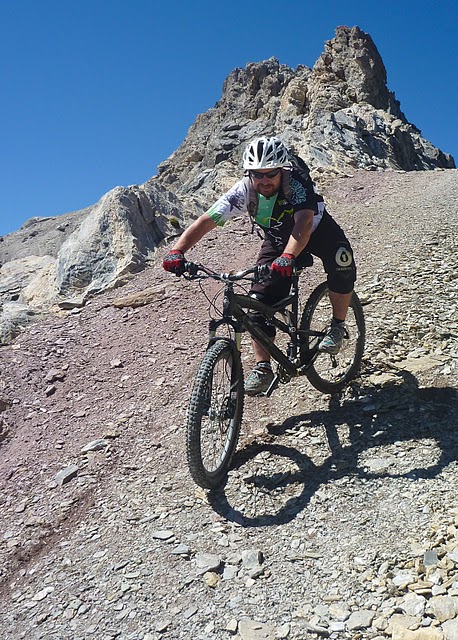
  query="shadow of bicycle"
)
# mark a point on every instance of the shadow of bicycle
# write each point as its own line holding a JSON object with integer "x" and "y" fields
{"x": 395, "y": 431}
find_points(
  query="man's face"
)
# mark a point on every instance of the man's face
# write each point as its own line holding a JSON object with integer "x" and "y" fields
{"x": 266, "y": 181}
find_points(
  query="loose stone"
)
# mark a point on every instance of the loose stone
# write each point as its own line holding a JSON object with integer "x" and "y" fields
{"x": 67, "y": 474}
{"x": 162, "y": 534}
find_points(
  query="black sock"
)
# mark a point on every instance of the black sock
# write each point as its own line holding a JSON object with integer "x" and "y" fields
{"x": 264, "y": 364}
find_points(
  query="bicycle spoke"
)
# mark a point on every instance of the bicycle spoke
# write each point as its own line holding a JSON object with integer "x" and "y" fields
{"x": 216, "y": 425}
{"x": 329, "y": 373}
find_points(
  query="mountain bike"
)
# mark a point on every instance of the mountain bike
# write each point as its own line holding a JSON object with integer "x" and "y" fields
{"x": 216, "y": 403}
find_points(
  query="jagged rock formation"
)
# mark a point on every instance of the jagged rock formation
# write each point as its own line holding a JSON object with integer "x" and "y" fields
{"x": 338, "y": 115}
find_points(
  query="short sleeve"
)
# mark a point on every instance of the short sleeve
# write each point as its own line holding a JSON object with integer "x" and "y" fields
{"x": 233, "y": 203}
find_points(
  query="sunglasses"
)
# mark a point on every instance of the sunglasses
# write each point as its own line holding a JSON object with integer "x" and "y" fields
{"x": 269, "y": 174}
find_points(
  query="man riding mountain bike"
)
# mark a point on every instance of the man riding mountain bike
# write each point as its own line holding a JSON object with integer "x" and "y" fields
{"x": 280, "y": 197}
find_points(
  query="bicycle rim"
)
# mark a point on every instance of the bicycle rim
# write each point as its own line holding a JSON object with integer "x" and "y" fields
{"x": 214, "y": 414}
{"x": 329, "y": 374}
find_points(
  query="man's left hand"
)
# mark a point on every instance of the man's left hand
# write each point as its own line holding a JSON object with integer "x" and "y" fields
{"x": 283, "y": 265}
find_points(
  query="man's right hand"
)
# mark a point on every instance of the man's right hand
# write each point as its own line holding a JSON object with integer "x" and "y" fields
{"x": 174, "y": 262}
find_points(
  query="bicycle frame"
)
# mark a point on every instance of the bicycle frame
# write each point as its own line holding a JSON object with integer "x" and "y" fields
{"x": 215, "y": 410}
{"x": 234, "y": 315}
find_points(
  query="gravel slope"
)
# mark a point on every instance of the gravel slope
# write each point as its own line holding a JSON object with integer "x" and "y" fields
{"x": 339, "y": 518}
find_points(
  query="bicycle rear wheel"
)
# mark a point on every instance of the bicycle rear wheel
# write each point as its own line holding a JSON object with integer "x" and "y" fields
{"x": 215, "y": 414}
{"x": 328, "y": 373}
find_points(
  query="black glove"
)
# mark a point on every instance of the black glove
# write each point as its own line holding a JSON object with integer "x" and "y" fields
{"x": 174, "y": 262}
{"x": 284, "y": 265}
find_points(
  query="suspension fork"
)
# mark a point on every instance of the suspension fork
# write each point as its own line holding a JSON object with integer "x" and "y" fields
{"x": 213, "y": 326}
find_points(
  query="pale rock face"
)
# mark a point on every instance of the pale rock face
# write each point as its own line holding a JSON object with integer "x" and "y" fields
{"x": 28, "y": 279}
{"x": 94, "y": 250}
{"x": 338, "y": 115}
{"x": 116, "y": 239}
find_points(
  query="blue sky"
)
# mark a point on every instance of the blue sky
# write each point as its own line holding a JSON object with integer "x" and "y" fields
{"x": 97, "y": 93}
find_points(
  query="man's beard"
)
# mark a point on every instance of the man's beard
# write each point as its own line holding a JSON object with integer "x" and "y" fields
{"x": 267, "y": 191}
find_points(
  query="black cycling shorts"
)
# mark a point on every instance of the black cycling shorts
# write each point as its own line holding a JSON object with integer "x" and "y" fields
{"x": 329, "y": 243}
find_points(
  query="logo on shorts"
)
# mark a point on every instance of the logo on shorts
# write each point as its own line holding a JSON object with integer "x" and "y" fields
{"x": 344, "y": 257}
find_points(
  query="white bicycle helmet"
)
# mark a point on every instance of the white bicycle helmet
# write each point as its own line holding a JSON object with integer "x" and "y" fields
{"x": 265, "y": 153}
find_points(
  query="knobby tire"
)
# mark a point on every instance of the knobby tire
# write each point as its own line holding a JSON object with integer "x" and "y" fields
{"x": 215, "y": 414}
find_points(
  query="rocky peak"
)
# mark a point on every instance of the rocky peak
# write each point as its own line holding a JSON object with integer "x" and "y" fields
{"x": 352, "y": 63}
{"x": 251, "y": 86}
{"x": 340, "y": 115}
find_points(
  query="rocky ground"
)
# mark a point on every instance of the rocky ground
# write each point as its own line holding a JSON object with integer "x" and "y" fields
{"x": 339, "y": 518}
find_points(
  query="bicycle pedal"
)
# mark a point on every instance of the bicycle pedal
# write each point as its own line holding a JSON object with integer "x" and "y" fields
{"x": 272, "y": 387}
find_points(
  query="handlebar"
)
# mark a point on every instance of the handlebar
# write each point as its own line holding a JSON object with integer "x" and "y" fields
{"x": 195, "y": 271}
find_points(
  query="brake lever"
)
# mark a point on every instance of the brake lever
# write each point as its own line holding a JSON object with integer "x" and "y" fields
{"x": 191, "y": 270}
{"x": 262, "y": 273}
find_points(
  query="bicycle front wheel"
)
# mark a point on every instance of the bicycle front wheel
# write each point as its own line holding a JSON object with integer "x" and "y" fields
{"x": 215, "y": 414}
{"x": 330, "y": 373}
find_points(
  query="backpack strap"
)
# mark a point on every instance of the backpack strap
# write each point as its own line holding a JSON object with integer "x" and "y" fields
{"x": 252, "y": 204}
{"x": 302, "y": 171}
{"x": 252, "y": 197}
{"x": 287, "y": 172}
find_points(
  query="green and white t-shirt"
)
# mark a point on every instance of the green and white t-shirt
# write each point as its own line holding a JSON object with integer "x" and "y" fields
{"x": 275, "y": 214}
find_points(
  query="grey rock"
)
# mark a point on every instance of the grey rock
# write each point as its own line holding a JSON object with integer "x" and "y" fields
{"x": 14, "y": 316}
{"x": 69, "y": 304}
{"x": 67, "y": 474}
{"x": 252, "y": 558}
{"x": 318, "y": 630}
{"x": 450, "y": 629}
{"x": 232, "y": 626}
{"x": 101, "y": 246}
{"x": 181, "y": 550}
{"x": 361, "y": 619}
{"x": 282, "y": 631}
{"x": 123, "y": 230}
{"x": 413, "y": 604}
{"x": 430, "y": 558}
{"x": 162, "y": 534}
{"x": 253, "y": 630}
{"x": 339, "y": 611}
{"x": 207, "y": 562}
{"x": 163, "y": 625}
{"x": 95, "y": 445}
{"x": 54, "y": 374}
{"x": 443, "y": 607}
{"x": 190, "y": 611}
{"x": 230, "y": 572}
{"x": 453, "y": 555}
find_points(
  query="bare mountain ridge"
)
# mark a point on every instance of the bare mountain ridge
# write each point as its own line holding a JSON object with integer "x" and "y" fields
{"x": 340, "y": 116}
